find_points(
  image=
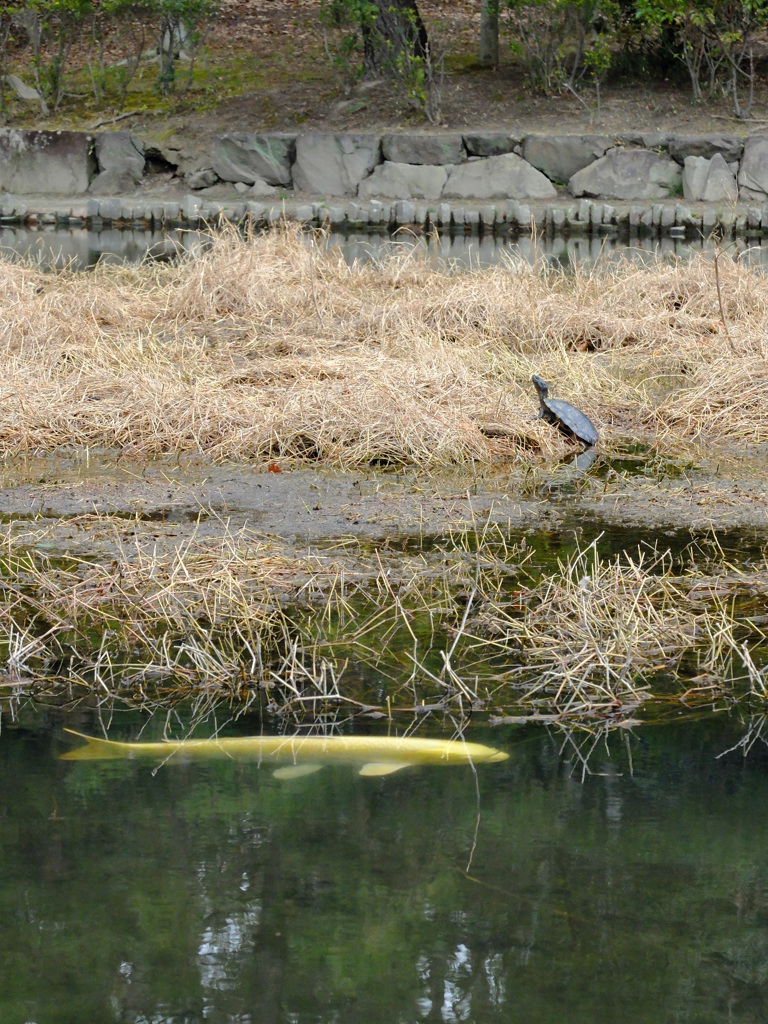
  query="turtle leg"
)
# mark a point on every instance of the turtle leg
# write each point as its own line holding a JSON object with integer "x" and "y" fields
{"x": 586, "y": 459}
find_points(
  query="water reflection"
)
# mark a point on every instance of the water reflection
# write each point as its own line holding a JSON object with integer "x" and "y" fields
{"x": 474, "y": 252}
{"x": 82, "y": 248}
{"x": 214, "y": 892}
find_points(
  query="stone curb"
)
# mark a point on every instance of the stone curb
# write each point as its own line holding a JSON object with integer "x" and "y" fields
{"x": 577, "y": 217}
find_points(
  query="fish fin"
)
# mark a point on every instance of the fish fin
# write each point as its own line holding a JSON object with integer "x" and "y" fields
{"x": 383, "y": 767}
{"x": 296, "y": 771}
{"x": 96, "y": 749}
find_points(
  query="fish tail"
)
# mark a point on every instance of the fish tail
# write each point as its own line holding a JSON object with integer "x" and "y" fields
{"x": 95, "y": 749}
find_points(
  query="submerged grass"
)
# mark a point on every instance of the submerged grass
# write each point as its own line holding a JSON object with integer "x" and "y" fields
{"x": 596, "y": 631}
{"x": 265, "y": 347}
{"x": 471, "y": 625}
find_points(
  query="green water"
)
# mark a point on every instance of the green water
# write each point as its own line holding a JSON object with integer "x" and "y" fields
{"x": 219, "y": 893}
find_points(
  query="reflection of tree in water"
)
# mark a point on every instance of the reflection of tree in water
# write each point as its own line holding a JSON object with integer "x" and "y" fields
{"x": 217, "y": 892}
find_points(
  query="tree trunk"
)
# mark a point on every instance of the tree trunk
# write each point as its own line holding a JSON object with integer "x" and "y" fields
{"x": 397, "y": 29}
{"x": 488, "y": 49}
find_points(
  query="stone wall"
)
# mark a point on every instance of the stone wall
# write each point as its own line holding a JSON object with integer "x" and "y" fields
{"x": 647, "y": 182}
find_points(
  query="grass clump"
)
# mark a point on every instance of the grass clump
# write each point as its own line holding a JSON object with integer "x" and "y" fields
{"x": 469, "y": 625}
{"x": 267, "y": 347}
{"x": 591, "y": 632}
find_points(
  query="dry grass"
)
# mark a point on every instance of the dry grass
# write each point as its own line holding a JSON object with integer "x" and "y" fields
{"x": 468, "y": 626}
{"x": 593, "y": 633}
{"x": 267, "y": 347}
{"x": 589, "y": 633}
{"x": 209, "y": 618}
{"x": 232, "y": 616}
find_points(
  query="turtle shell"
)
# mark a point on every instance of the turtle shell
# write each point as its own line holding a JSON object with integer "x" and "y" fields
{"x": 570, "y": 420}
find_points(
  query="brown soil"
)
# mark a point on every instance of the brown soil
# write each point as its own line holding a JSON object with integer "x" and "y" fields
{"x": 472, "y": 96}
{"x": 279, "y": 45}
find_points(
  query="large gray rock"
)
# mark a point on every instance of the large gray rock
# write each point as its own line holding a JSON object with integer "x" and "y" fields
{"x": 561, "y": 156}
{"x": 26, "y": 92}
{"x": 490, "y": 143}
{"x": 191, "y": 164}
{"x": 423, "y": 148}
{"x": 753, "y": 173}
{"x": 709, "y": 181}
{"x": 404, "y": 181}
{"x": 55, "y": 163}
{"x": 682, "y": 146}
{"x": 498, "y": 177}
{"x": 245, "y": 156}
{"x": 112, "y": 183}
{"x": 120, "y": 151}
{"x": 627, "y": 174}
{"x": 261, "y": 189}
{"x": 120, "y": 159}
{"x": 334, "y": 165}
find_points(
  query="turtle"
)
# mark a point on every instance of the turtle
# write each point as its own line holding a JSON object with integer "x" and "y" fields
{"x": 564, "y": 415}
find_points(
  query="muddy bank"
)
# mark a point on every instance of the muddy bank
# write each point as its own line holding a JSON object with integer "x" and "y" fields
{"x": 571, "y": 593}
{"x": 71, "y": 504}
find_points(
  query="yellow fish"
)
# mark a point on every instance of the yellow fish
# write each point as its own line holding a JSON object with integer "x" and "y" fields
{"x": 298, "y": 755}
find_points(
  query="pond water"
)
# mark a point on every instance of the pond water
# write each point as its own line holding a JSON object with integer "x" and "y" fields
{"x": 599, "y": 876}
{"x": 530, "y": 890}
{"x": 82, "y": 248}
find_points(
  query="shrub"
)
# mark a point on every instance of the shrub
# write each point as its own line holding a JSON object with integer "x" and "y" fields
{"x": 714, "y": 38}
{"x": 561, "y": 40}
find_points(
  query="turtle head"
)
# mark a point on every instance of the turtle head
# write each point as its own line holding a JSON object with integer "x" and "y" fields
{"x": 541, "y": 386}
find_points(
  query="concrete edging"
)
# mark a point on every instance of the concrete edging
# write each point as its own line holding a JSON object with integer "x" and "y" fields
{"x": 579, "y": 217}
